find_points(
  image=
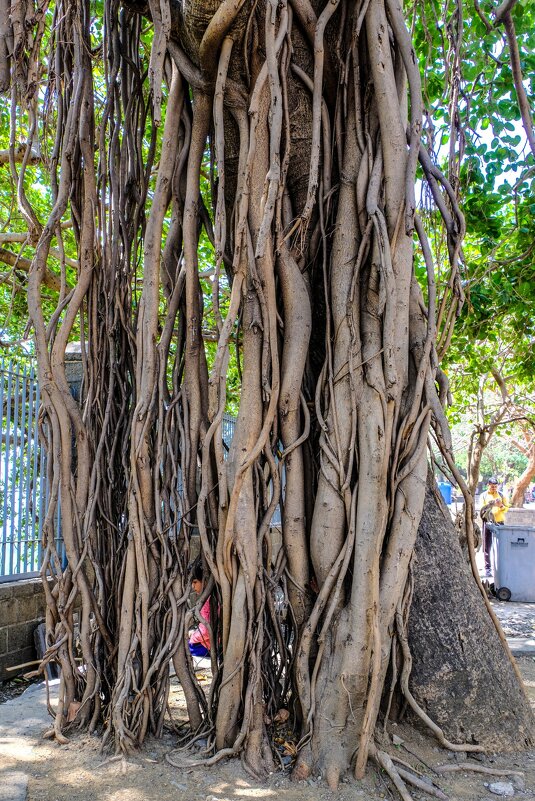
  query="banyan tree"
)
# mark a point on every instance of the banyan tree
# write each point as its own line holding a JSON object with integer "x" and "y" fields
{"x": 247, "y": 167}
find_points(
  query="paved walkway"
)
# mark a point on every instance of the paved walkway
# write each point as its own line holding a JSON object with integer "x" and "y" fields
{"x": 517, "y": 621}
{"x": 22, "y": 721}
{"x": 518, "y": 624}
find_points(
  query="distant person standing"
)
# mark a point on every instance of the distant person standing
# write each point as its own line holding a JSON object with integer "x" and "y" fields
{"x": 496, "y": 503}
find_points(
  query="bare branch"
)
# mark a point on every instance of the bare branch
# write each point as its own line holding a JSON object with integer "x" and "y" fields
{"x": 23, "y": 237}
{"x": 51, "y": 280}
{"x": 482, "y": 17}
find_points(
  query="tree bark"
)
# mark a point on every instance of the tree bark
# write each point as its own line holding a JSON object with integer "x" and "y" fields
{"x": 461, "y": 676}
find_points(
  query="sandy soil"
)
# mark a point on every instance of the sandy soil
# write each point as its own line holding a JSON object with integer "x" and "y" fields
{"x": 78, "y": 770}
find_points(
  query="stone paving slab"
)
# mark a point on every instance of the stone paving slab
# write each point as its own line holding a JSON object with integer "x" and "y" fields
{"x": 518, "y": 624}
{"x": 521, "y": 646}
{"x": 14, "y": 786}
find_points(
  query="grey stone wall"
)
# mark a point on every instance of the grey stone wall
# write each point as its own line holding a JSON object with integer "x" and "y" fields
{"x": 22, "y": 608}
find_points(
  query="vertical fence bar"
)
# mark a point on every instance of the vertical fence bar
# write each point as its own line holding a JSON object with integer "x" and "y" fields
{"x": 38, "y": 483}
{"x": 4, "y": 521}
{"x": 12, "y": 542}
{"x": 6, "y": 470}
{"x": 227, "y": 431}
{"x": 36, "y": 478}
{"x": 22, "y": 472}
{"x": 22, "y": 477}
{"x": 44, "y": 491}
{"x": 29, "y": 533}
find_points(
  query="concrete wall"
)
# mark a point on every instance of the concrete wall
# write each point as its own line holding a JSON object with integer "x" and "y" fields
{"x": 22, "y": 608}
{"x": 520, "y": 517}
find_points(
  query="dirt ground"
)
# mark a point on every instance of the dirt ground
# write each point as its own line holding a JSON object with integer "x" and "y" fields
{"x": 79, "y": 770}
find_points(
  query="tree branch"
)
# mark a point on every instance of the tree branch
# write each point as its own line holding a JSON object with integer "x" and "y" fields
{"x": 482, "y": 16}
{"x": 516, "y": 71}
{"x": 51, "y": 280}
{"x": 19, "y": 153}
{"x": 522, "y": 448}
{"x": 501, "y": 384}
{"x": 24, "y": 236}
{"x": 503, "y": 10}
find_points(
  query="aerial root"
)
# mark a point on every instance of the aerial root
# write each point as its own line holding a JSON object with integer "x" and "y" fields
{"x": 301, "y": 771}
{"x": 437, "y": 731}
{"x": 182, "y": 762}
{"x": 332, "y": 777}
{"x": 422, "y": 784}
{"x": 203, "y": 761}
{"x": 400, "y": 777}
{"x": 121, "y": 758}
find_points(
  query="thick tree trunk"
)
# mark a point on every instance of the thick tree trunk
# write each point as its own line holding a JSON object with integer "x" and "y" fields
{"x": 461, "y": 676}
{"x": 314, "y": 219}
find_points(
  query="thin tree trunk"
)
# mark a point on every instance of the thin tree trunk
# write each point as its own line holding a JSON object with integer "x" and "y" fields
{"x": 523, "y": 482}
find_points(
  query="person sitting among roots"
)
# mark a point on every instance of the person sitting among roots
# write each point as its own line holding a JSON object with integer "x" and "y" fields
{"x": 199, "y": 637}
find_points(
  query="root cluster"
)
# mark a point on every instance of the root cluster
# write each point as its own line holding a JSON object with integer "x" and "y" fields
{"x": 240, "y": 183}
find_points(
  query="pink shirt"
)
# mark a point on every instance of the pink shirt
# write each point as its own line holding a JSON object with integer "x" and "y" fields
{"x": 200, "y": 634}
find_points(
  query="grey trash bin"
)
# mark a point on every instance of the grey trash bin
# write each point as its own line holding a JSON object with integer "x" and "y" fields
{"x": 513, "y": 562}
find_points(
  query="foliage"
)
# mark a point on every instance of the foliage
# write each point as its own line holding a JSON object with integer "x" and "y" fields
{"x": 495, "y": 330}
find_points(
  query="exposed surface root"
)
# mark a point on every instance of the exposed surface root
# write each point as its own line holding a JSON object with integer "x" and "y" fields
{"x": 489, "y": 771}
{"x": 385, "y": 762}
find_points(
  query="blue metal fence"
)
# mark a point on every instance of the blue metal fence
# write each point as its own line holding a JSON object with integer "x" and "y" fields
{"x": 22, "y": 473}
{"x": 228, "y": 424}
{"x": 23, "y": 484}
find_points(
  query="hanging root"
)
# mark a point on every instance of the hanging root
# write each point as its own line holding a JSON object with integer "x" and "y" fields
{"x": 420, "y": 784}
